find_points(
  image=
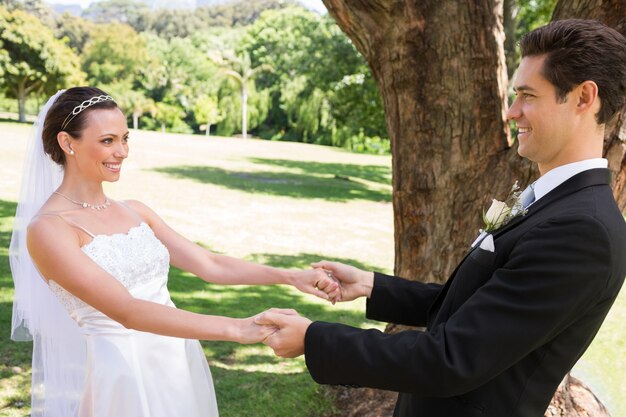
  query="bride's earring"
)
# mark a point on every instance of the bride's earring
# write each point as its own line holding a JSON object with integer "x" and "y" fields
{"x": 71, "y": 151}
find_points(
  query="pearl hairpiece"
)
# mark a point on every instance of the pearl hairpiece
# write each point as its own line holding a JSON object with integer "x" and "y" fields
{"x": 82, "y": 106}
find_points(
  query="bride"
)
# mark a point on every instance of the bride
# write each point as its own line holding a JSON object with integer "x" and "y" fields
{"x": 91, "y": 279}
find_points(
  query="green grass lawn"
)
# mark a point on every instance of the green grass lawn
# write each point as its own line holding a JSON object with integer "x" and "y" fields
{"x": 282, "y": 204}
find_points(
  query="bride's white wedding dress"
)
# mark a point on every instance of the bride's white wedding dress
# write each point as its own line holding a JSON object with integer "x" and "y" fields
{"x": 133, "y": 373}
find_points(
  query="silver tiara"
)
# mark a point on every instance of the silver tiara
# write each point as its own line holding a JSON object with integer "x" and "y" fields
{"x": 82, "y": 106}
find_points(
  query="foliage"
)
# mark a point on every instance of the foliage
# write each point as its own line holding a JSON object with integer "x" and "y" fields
{"x": 532, "y": 14}
{"x": 36, "y": 8}
{"x": 74, "y": 30}
{"x": 31, "y": 59}
{"x": 115, "y": 52}
{"x": 176, "y": 72}
{"x": 240, "y": 70}
{"x": 319, "y": 89}
{"x": 171, "y": 116}
{"x": 207, "y": 113}
{"x": 243, "y": 12}
{"x": 120, "y": 11}
{"x": 523, "y": 16}
{"x": 230, "y": 105}
{"x": 133, "y": 103}
{"x": 322, "y": 90}
{"x": 167, "y": 23}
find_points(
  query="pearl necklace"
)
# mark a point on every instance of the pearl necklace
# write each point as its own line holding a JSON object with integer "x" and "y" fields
{"x": 84, "y": 204}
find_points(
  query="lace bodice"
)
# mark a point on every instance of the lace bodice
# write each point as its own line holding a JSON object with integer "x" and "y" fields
{"x": 133, "y": 258}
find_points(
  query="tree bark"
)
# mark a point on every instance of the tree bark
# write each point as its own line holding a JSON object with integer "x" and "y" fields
{"x": 440, "y": 68}
{"x": 510, "y": 20}
{"x": 21, "y": 102}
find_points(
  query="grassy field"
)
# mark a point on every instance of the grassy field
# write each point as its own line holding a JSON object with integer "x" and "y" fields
{"x": 284, "y": 204}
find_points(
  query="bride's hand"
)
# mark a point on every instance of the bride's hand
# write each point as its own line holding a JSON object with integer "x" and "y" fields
{"x": 317, "y": 282}
{"x": 354, "y": 282}
{"x": 248, "y": 331}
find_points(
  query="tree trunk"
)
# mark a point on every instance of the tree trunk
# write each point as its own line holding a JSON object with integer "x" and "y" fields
{"x": 613, "y": 14}
{"x": 440, "y": 68}
{"x": 21, "y": 102}
{"x": 244, "y": 110}
{"x": 510, "y": 43}
{"x": 575, "y": 399}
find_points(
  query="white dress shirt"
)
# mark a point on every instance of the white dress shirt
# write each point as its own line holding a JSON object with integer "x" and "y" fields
{"x": 546, "y": 183}
{"x": 557, "y": 176}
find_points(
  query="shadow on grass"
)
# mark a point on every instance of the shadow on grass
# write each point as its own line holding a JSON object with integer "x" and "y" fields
{"x": 270, "y": 394}
{"x": 250, "y": 377}
{"x": 375, "y": 173}
{"x": 287, "y": 184}
{"x": 193, "y": 294}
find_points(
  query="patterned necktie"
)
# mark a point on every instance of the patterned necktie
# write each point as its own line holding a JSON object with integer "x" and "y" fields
{"x": 528, "y": 196}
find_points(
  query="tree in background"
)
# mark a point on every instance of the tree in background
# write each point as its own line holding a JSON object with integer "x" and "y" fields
{"x": 32, "y": 60}
{"x": 172, "y": 116}
{"x": 176, "y": 73}
{"x": 116, "y": 11}
{"x": 317, "y": 74}
{"x": 114, "y": 53}
{"x": 240, "y": 70}
{"x": 131, "y": 102}
{"x": 207, "y": 112}
{"x": 522, "y": 16}
{"x": 73, "y": 30}
{"x": 37, "y": 8}
{"x": 321, "y": 90}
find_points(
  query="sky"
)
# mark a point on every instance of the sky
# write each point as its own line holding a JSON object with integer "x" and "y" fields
{"x": 316, "y": 5}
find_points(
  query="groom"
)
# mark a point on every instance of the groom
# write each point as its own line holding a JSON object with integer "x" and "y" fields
{"x": 526, "y": 302}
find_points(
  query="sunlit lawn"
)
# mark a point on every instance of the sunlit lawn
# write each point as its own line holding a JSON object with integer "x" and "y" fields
{"x": 280, "y": 204}
{"x": 283, "y": 204}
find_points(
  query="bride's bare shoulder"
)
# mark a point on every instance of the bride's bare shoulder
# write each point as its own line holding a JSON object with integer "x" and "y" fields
{"x": 49, "y": 228}
{"x": 142, "y": 209}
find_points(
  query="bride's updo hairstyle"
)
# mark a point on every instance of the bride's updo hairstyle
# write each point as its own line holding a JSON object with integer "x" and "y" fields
{"x": 69, "y": 114}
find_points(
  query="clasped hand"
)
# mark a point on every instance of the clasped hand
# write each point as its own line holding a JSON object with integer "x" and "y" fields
{"x": 334, "y": 281}
{"x": 286, "y": 329}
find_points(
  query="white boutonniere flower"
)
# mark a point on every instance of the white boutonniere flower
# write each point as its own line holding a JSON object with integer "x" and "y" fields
{"x": 501, "y": 212}
{"x": 496, "y": 215}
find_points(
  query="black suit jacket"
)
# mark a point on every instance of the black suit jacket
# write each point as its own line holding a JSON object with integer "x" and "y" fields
{"x": 507, "y": 325}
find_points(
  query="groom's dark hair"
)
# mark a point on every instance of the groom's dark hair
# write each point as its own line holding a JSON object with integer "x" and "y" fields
{"x": 582, "y": 50}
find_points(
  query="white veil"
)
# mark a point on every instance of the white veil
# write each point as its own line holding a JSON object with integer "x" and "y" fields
{"x": 59, "y": 352}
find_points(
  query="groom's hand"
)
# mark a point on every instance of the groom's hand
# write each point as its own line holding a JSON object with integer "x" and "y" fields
{"x": 353, "y": 282}
{"x": 317, "y": 282}
{"x": 288, "y": 340}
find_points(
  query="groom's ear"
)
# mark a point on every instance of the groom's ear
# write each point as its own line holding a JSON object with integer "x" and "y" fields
{"x": 586, "y": 95}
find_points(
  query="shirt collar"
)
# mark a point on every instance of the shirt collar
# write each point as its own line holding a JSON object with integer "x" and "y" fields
{"x": 555, "y": 177}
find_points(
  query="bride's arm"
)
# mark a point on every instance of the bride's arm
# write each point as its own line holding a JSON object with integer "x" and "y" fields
{"x": 221, "y": 269}
{"x": 55, "y": 249}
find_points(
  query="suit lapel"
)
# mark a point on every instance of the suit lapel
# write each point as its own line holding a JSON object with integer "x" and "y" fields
{"x": 599, "y": 176}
